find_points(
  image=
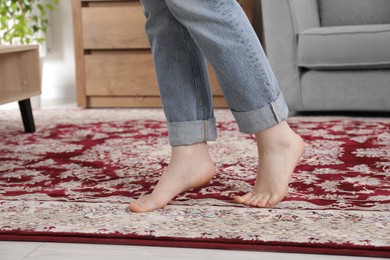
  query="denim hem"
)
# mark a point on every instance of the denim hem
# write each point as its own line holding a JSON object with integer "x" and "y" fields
{"x": 192, "y": 132}
{"x": 260, "y": 119}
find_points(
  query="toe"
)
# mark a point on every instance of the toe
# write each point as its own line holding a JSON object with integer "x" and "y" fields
{"x": 253, "y": 201}
{"x": 137, "y": 206}
{"x": 273, "y": 200}
{"x": 143, "y": 204}
{"x": 263, "y": 201}
{"x": 134, "y": 207}
{"x": 243, "y": 199}
{"x": 260, "y": 202}
{"x": 143, "y": 207}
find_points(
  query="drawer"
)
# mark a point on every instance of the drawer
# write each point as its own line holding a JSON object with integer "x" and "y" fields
{"x": 116, "y": 73}
{"x": 19, "y": 73}
{"x": 124, "y": 101}
{"x": 114, "y": 26}
{"x": 119, "y": 73}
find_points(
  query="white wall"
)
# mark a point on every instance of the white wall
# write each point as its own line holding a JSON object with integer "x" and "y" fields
{"x": 58, "y": 75}
{"x": 58, "y": 68}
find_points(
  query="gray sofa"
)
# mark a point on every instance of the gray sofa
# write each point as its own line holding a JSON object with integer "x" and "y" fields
{"x": 330, "y": 54}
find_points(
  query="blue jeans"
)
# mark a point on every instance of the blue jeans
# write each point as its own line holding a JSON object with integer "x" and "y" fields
{"x": 182, "y": 35}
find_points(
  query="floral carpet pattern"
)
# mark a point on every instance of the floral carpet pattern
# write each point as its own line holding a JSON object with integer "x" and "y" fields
{"x": 76, "y": 175}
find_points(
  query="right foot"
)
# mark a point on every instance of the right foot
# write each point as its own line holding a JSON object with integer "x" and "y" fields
{"x": 280, "y": 149}
{"x": 190, "y": 167}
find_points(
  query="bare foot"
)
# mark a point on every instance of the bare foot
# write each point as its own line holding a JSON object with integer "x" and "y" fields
{"x": 190, "y": 167}
{"x": 279, "y": 150}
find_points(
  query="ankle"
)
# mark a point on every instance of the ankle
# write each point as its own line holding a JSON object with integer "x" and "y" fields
{"x": 190, "y": 152}
{"x": 190, "y": 149}
{"x": 278, "y": 137}
{"x": 281, "y": 131}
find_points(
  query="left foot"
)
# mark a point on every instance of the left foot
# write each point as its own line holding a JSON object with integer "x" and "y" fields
{"x": 279, "y": 150}
{"x": 190, "y": 167}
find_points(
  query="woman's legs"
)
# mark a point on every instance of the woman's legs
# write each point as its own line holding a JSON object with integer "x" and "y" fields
{"x": 188, "y": 107}
{"x": 182, "y": 77}
{"x": 224, "y": 35}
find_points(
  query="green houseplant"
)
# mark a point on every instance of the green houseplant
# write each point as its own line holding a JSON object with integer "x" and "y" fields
{"x": 24, "y": 21}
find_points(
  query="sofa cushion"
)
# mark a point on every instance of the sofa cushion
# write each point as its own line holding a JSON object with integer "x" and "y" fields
{"x": 354, "y": 12}
{"x": 345, "y": 47}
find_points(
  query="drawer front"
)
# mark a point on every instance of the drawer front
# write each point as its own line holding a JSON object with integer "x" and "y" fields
{"x": 126, "y": 73}
{"x": 120, "y": 73}
{"x": 114, "y": 27}
{"x": 93, "y": 101}
{"x": 19, "y": 75}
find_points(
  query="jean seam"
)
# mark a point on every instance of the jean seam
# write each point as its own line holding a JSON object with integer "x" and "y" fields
{"x": 196, "y": 72}
{"x": 275, "y": 110}
{"x": 249, "y": 47}
{"x": 205, "y": 124}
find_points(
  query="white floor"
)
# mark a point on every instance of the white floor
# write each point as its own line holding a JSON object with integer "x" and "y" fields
{"x": 64, "y": 251}
{"x": 42, "y": 104}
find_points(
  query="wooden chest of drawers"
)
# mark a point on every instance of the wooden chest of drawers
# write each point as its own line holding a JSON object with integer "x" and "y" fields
{"x": 113, "y": 58}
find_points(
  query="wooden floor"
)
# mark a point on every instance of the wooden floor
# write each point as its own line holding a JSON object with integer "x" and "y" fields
{"x": 62, "y": 251}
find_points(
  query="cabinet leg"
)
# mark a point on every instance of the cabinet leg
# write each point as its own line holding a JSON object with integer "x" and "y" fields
{"x": 27, "y": 116}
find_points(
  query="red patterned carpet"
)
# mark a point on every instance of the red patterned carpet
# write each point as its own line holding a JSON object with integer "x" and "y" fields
{"x": 72, "y": 180}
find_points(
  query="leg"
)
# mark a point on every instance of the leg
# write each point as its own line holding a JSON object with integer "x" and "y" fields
{"x": 27, "y": 116}
{"x": 223, "y": 33}
{"x": 187, "y": 103}
{"x": 182, "y": 77}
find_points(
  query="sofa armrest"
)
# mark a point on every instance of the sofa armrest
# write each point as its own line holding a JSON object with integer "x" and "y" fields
{"x": 281, "y": 48}
{"x": 305, "y": 14}
{"x": 283, "y": 20}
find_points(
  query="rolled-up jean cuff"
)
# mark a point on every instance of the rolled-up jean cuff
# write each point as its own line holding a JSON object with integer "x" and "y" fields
{"x": 192, "y": 132}
{"x": 265, "y": 117}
